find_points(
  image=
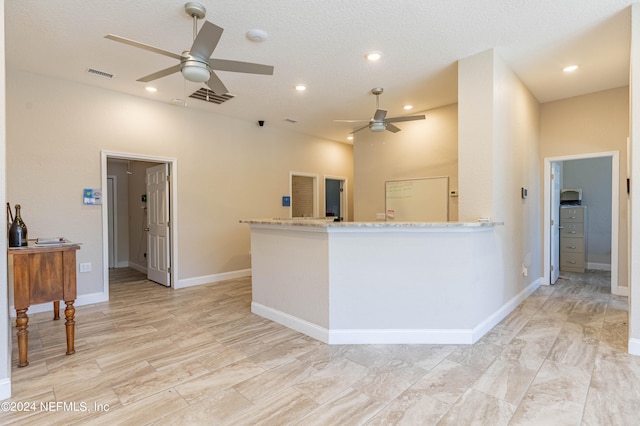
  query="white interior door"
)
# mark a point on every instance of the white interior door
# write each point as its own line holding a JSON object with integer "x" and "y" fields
{"x": 555, "y": 221}
{"x": 158, "y": 236}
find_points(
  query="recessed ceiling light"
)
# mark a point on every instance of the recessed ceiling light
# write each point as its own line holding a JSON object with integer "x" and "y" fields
{"x": 350, "y": 137}
{"x": 257, "y": 35}
{"x": 408, "y": 107}
{"x": 301, "y": 87}
{"x": 570, "y": 68}
{"x": 151, "y": 89}
{"x": 373, "y": 56}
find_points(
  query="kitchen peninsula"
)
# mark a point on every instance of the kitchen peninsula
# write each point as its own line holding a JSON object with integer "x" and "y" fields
{"x": 378, "y": 282}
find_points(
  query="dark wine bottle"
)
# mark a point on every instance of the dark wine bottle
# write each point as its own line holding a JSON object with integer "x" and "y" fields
{"x": 18, "y": 231}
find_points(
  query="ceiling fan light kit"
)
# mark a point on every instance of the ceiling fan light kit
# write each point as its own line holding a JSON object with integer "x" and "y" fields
{"x": 196, "y": 71}
{"x": 196, "y": 63}
{"x": 379, "y": 122}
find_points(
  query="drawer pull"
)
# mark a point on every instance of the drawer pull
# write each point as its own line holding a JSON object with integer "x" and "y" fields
{"x": 571, "y": 247}
{"x": 572, "y": 232}
{"x": 572, "y": 261}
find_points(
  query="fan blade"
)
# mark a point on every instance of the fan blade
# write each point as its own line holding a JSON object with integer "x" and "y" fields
{"x": 159, "y": 74}
{"x": 379, "y": 115}
{"x": 361, "y": 128}
{"x": 206, "y": 40}
{"x": 216, "y": 85}
{"x": 143, "y": 46}
{"x": 349, "y": 121}
{"x": 237, "y": 66}
{"x": 410, "y": 118}
{"x": 390, "y": 127}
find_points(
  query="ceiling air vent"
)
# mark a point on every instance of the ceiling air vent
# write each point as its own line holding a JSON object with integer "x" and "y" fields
{"x": 100, "y": 73}
{"x": 207, "y": 95}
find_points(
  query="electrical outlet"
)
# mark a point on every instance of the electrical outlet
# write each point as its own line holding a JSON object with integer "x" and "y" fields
{"x": 85, "y": 267}
{"x": 525, "y": 270}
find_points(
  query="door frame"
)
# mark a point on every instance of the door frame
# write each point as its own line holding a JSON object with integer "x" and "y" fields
{"x": 554, "y": 213}
{"x": 112, "y": 211}
{"x": 615, "y": 211}
{"x": 344, "y": 210}
{"x": 173, "y": 210}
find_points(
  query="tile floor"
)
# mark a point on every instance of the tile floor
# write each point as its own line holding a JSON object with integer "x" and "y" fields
{"x": 153, "y": 355}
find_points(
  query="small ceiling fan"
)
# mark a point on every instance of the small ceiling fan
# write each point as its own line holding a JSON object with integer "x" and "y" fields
{"x": 196, "y": 64}
{"x": 379, "y": 122}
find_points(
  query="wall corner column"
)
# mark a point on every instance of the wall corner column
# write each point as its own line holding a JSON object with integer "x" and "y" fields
{"x": 634, "y": 175}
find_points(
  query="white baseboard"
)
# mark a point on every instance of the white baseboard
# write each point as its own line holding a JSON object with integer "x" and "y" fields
{"x": 83, "y": 300}
{"x": 5, "y": 389}
{"x": 294, "y": 323}
{"x": 137, "y": 267}
{"x": 394, "y": 336}
{"x": 213, "y": 278}
{"x": 622, "y": 291}
{"x": 598, "y": 266}
{"x": 401, "y": 337}
{"x": 493, "y": 319}
{"x": 634, "y": 346}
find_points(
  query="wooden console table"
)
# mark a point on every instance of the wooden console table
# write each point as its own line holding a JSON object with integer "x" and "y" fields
{"x": 41, "y": 275}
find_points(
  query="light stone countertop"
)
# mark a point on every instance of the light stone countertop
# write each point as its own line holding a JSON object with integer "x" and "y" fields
{"x": 329, "y": 223}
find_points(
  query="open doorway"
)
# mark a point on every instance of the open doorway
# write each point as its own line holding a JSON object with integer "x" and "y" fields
{"x": 553, "y": 176}
{"x": 335, "y": 196}
{"x": 304, "y": 194}
{"x": 126, "y": 228}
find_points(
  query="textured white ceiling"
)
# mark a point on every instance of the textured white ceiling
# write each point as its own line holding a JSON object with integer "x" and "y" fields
{"x": 322, "y": 44}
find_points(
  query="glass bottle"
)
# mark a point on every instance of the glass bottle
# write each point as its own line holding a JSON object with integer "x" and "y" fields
{"x": 18, "y": 231}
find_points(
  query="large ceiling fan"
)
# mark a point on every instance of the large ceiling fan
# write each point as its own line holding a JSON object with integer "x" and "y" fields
{"x": 196, "y": 64}
{"x": 379, "y": 122}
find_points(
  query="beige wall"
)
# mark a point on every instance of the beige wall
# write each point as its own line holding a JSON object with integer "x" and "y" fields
{"x": 597, "y": 122}
{"x": 5, "y": 339}
{"x": 228, "y": 169}
{"x": 498, "y": 122}
{"x": 424, "y": 148}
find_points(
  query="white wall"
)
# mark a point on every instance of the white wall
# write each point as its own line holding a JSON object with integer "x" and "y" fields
{"x": 634, "y": 173}
{"x": 498, "y": 155}
{"x": 423, "y": 148}
{"x": 228, "y": 169}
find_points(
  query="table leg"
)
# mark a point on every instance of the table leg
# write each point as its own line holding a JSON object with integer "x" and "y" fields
{"x": 22, "y": 321}
{"x": 56, "y": 310}
{"x": 70, "y": 313}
